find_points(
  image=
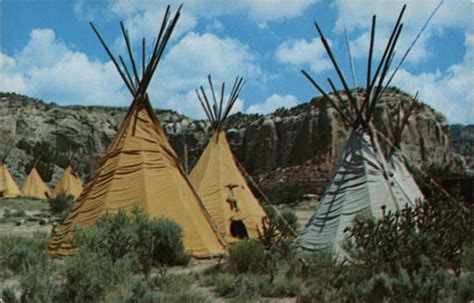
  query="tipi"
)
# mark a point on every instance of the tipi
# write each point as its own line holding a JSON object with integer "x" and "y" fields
{"x": 396, "y": 160}
{"x": 362, "y": 182}
{"x": 70, "y": 184}
{"x": 8, "y": 187}
{"x": 218, "y": 180}
{"x": 140, "y": 168}
{"x": 35, "y": 187}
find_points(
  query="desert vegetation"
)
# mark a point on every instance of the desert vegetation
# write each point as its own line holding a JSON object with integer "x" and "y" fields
{"x": 423, "y": 254}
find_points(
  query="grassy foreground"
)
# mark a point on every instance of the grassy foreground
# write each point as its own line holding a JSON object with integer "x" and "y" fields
{"x": 423, "y": 254}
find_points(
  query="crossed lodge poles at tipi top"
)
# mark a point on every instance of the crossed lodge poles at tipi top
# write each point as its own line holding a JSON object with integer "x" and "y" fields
{"x": 363, "y": 181}
{"x": 140, "y": 168}
{"x": 218, "y": 180}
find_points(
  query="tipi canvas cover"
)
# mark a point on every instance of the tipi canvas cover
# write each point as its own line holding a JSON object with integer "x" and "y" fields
{"x": 69, "y": 184}
{"x": 358, "y": 186}
{"x": 363, "y": 181}
{"x": 404, "y": 180}
{"x": 140, "y": 168}
{"x": 218, "y": 180}
{"x": 397, "y": 122}
{"x": 225, "y": 192}
{"x": 8, "y": 187}
{"x": 35, "y": 187}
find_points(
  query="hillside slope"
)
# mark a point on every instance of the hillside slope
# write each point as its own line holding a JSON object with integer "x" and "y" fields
{"x": 289, "y": 146}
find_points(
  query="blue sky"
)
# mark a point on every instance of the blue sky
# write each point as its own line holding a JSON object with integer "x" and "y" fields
{"x": 49, "y": 51}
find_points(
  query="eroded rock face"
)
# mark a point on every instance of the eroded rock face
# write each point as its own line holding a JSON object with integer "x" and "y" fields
{"x": 289, "y": 146}
{"x": 463, "y": 143}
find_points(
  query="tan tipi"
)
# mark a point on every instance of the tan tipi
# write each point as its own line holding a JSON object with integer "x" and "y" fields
{"x": 35, "y": 187}
{"x": 69, "y": 184}
{"x": 217, "y": 178}
{"x": 140, "y": 168}
{"x": 363, "y": 181}
{"x": 8, "y": 187}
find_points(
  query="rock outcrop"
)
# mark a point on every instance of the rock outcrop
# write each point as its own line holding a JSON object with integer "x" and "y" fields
{"x": 463, "y": 143}
{"x": 289, "y": 146}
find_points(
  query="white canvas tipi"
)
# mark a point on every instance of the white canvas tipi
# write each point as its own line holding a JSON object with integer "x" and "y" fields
{"x": 362, "y": 182}
{"x": 408, "y": 189}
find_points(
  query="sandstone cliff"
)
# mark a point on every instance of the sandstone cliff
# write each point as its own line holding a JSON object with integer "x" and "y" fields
{"x": 289, "y": 146}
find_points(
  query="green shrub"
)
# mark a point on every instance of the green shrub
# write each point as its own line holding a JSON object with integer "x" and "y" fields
{"x": 8, "y": 296}
{"x": 159, "y": 241}
{"x": 247, "y": 256}
{"x": 278, "y": 231}
{"x": 463, "y": 288}
{"x": 37, "y": 282}
{"x": 136, "y": 290}
{"x": 60, "y": 204}
{"x": 314, "y": 293}
{"x": 90, "y": 275}
{"x": 406, "y": 255}
{"x": 175, "y": 283}
{"x": 283, "y": 287}
{"x": 188, "y": 296}
{"x": 150, "y": 242}
{"x": 18, "y": 251}
{"x": 224, "y": 284}
{"x": 251, "y": 286}
{"x": 437, "y": 228}
{"x": 285, "y": 194}
{"x": 15, "y": 213}
{"x": 114, "y": 236}
{"x": 17, "y": 258}
{"x": 319, "y": 266}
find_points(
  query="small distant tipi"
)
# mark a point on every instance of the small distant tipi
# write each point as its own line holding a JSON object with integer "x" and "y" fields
{"x": 35, "y": 187}
{"x": 217, "y": 178}
{"x": 362, "y": 182}
{"x": 140, "y": 168}
{"x": 8, "y": 187}
{"x": 69, "y": 184}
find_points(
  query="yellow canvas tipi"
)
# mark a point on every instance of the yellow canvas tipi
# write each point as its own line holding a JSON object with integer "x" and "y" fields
{"x": 217, "y": 178}
{"x": 35, "y": 187}
{"x": 140, "y": 168}
{"x": 8, "y": 187}
{"x": 69, "y": 184}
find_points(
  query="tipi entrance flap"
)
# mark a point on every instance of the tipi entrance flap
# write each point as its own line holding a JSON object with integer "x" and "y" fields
{"x": 224, "y": 191}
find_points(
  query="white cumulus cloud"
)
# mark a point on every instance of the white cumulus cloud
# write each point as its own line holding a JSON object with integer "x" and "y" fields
{"x": 10, "y": 81}
{"x": 301, "y": 52}
{"x": 453, "y": 13}
{"x": 46, "y": 68}
{"x": 187, "y": 64}
{"x": 448, "y": 92}
{"x": 272, "y": 103}
{"x": 257, "y": 11}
